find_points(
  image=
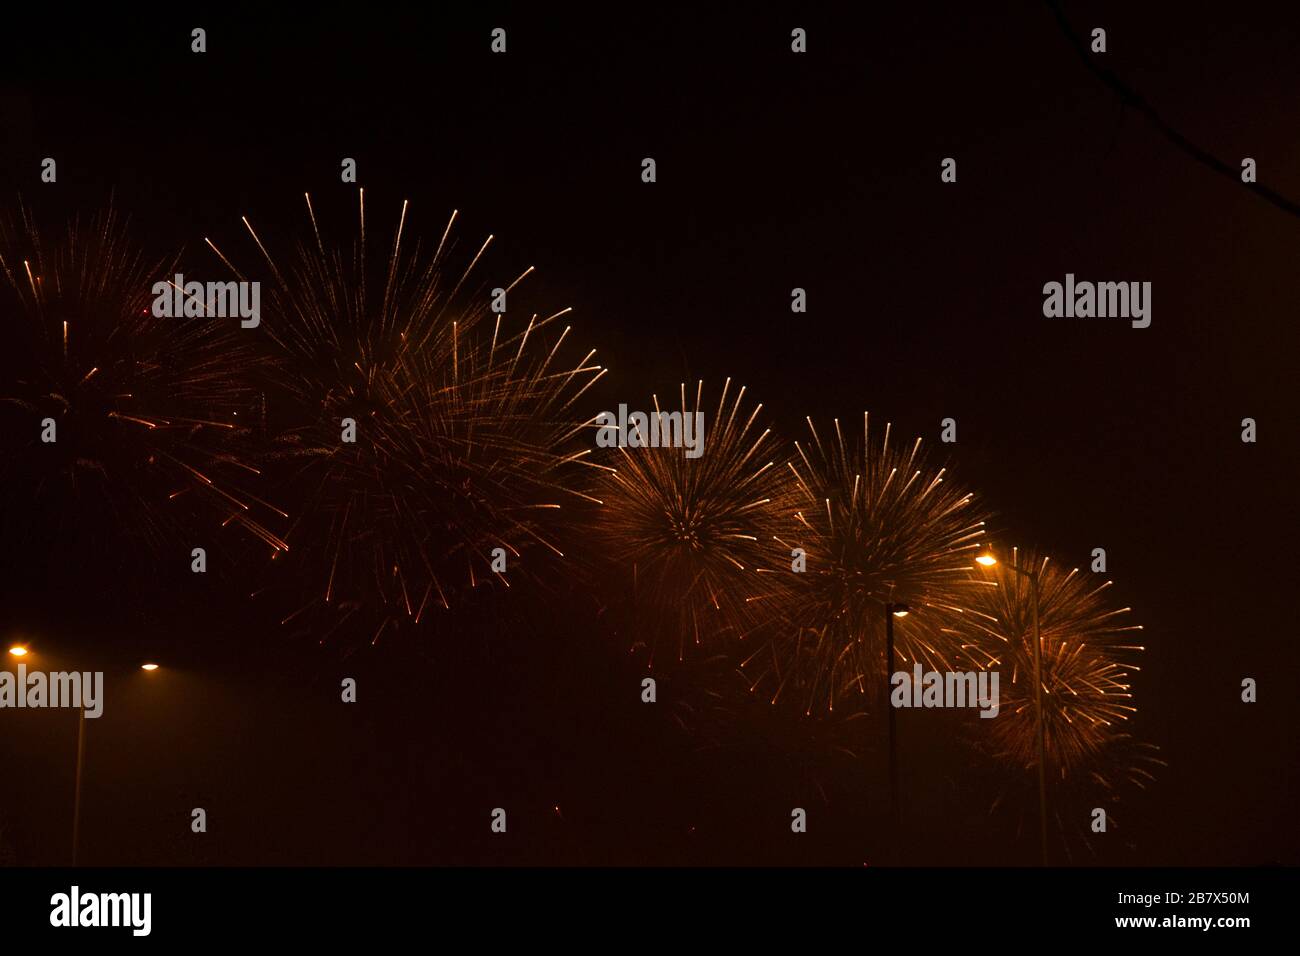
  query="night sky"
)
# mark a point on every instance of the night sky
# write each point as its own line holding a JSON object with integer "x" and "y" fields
{"x": 775, "y": 171}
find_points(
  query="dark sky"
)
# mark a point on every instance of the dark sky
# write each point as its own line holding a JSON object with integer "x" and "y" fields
{"x": 774, "y": 171}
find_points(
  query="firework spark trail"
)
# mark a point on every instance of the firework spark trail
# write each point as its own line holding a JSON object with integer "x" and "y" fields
{"x": 1088, "y": 662}
{"x": 690, "y": 541}
{"x": 149, "y": 439}
{"x": 465, "y": 440}
{"x": 878, "y": 524}
{"x": 1088, "y": 654}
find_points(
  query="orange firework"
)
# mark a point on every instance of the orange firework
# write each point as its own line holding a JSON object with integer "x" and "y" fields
{"x": 434, "y": 443}
{"x": 875, "y": 524}
{"x": 1088, "y": 654}
{"x": 121, "y": 427}
{"x": 690, "y": 542}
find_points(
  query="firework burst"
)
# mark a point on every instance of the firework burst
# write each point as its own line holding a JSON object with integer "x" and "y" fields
{"x": 1088, "y": 661}
{"x": 691, "y": 542}
{"x": 464, "y": 441}
{"x": 877, "y": 524}
{"x": 1088, "y": 653}
{"x": 147, "y": 412}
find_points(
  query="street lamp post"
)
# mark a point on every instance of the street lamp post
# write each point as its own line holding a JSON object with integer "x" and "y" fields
{"x": 81, "y": 758}
{"x": 76, "y": 802}
{"x": 988, "y": 560}
{"x": 892, "y": 611}
{"x": 19, "y": 650}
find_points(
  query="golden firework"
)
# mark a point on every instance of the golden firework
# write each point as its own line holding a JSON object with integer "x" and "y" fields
{"x": 1088, "y": 649}
{"x": 147, "y": 441}
{"x": 875, "y": 524}
{"x": 434, "y": 443}
{"x": 689, "y": 543}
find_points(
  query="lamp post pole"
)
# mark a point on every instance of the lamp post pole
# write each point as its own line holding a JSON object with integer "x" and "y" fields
{"x": 81, "y": 760}
{"x": 892, "y": 611}
{"x": 20, "y": 651}
{"x": 1038, "y": 706}
{"x": 988, "y": 560}
{"x": 76, "y": 802}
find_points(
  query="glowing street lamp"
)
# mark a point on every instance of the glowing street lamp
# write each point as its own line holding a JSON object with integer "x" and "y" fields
{"x": 81, "y": 760}
{"x": 987, "y": 560}
{"x": 892, "y": 611}
{"x": 20, "y": 651}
